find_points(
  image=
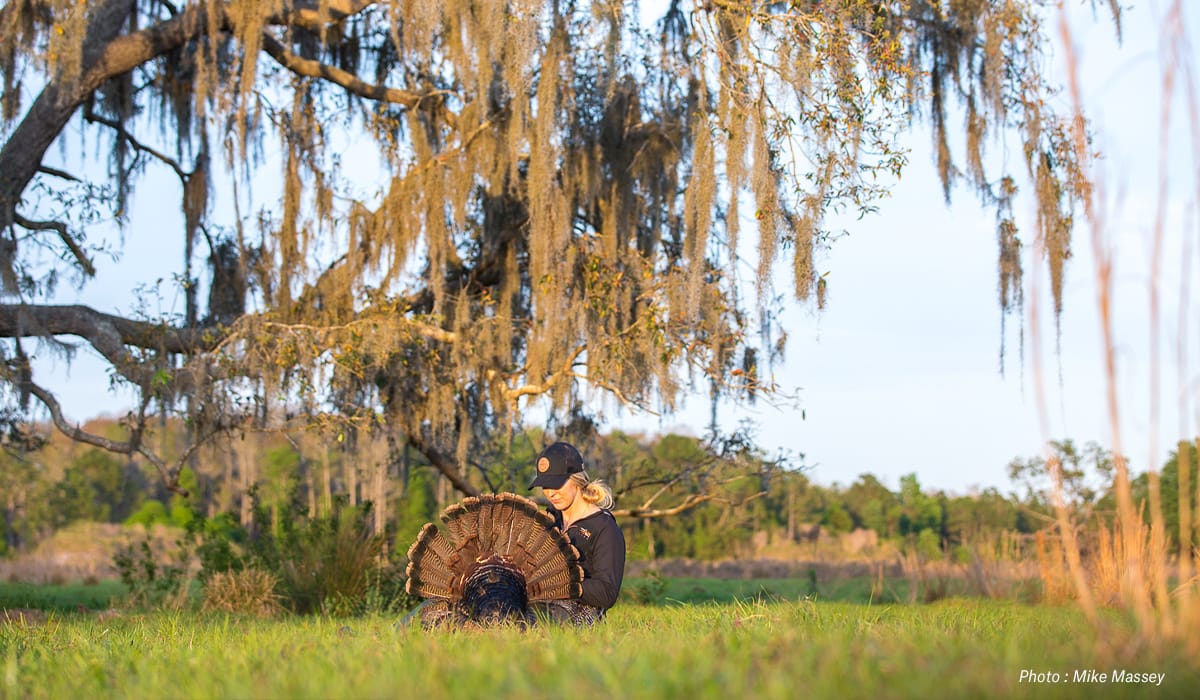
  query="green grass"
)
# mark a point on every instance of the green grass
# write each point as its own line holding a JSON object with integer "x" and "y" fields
{"x": 64, "y": 597}
{"x": 699, "y": 590}
{"x": 847, "y": 590}
{"x": 756, "y": 649}
{"x": 674, "y": 591}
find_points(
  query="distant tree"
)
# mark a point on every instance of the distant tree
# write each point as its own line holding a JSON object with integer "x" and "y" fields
{"x": 869, "y": 501}
{"x": 836, "y": 519}
{"x": 554, "y": 203}
{"x": 1085, "y": 474}
{"x": 21, "y": 485}
{"x": 278, "y": 488}
{"x": 988, "y": 512}
{"x": 1169, "y": 490}
{"x": 917, "y": 510}
{"x": 94, "y": 488}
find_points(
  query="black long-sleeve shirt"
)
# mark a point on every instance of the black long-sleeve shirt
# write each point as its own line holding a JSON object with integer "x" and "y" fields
{"x": 601, "y": 548}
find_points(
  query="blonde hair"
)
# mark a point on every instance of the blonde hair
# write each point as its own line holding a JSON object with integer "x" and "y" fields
{"x": 595, "y": 492}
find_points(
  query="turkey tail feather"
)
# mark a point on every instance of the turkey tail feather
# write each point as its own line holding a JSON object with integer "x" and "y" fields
{"x": 433, "y": 565}
{"x": 489, "y": 544}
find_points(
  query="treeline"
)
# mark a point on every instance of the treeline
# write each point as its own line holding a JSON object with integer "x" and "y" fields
{"x": 679, "y": 496}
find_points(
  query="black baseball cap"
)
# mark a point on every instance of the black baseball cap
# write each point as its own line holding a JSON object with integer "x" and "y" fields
{"x": 556, "y": 464}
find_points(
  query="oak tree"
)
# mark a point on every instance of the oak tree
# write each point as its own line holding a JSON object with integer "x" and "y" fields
{"x": 427, "y": 215}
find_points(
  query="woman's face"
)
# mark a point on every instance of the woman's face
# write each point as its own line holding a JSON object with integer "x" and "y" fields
{"x": 562, "y": 498}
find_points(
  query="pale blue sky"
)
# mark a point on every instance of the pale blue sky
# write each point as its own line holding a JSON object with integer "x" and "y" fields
{"x": 900, "y": 372}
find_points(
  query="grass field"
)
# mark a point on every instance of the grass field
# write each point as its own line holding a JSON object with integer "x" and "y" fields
{"x": 755, "y": 646}
{"x": 63, "y": 598}
{"x": 105, "y": 594}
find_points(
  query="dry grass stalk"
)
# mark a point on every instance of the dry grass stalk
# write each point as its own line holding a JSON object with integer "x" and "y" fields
{"x": 1130, "y": 566}
{"x": 996, "y": 569}
{"x": 249, "y": 591}
{"x": 1057, "y": 585}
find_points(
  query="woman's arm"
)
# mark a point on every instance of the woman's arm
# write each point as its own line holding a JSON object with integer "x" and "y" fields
{"x": 602, "y": 585}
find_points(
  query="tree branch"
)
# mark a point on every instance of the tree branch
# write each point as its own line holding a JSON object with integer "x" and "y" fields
{"x": 444, "y": 464}
{"x": 120, "y": 447}
{"x": 315, "y": 69}
{"x": 549, "y": 383}
{"x": 80, "y": 257}
{"x": 94, "y": 118}
{"x": 57, "y": 173}
{"x": 688, "y": 503}
{"x": 104, "y": 331}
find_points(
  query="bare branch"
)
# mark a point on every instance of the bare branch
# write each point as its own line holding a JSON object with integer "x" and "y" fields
{"x": 118, "y": 446}
{"x": 315, "y": 16}
{"x": 94, "y": 118}
{"x": 85, "y": 263}
{"x": 549, "y": 382}
{"x": 615, "y": 391}
{"x": 422, "y": 329}
{"x": 315, "y": 69}
{"x": 688, "y": 503}
{"x": 46, "y": 169}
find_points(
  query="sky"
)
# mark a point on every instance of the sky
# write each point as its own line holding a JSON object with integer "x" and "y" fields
{"x": 900, "y": 373}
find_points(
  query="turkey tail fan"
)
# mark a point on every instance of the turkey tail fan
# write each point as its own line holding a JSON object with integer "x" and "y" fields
{"x": 496, "y": 554}
{"x": 482, "y": 509}
{"x": 504, "y": 526}
{"x": 434, "y": 566}
{"x": 460, "y": 524}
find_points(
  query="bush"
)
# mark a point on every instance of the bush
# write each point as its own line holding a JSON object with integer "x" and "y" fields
{"x": 151, "y": 584}
{"x": 650, "y": 590}
{"x": 150, "y": 512}
{"x": 219, "y": 543}
{"x": 330, "y": 566}
{"x": 323, "y": 564}
{"x": 386, "y": 594}
{"x": 249, "y": 591}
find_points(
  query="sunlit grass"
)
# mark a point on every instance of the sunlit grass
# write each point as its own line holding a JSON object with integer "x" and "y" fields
{"x": 759, "y": 649}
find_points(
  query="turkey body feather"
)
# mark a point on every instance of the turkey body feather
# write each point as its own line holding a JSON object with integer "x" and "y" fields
{"x": 498, "y": 556}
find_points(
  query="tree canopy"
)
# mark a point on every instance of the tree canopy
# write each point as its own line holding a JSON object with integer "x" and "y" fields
{"x": 556, "y": 199}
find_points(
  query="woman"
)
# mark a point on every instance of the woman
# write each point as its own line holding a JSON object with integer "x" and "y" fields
{"x": 580, "y": 508}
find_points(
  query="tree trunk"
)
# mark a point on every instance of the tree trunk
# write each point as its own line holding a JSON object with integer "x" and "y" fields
{"x": 229, "y": 492}
{"x": 791, "y": 515}
{"x": 310, "y": 482}
{"x": 350, "y": 464}
{"x": 379, "y": 459}
{"x": 327, "y": 485}
{"x": 106, "y": 54}
{"x": 247, "y": 453}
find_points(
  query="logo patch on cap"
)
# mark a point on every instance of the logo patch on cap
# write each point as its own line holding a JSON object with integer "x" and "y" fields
{"x": 543, "y": 464}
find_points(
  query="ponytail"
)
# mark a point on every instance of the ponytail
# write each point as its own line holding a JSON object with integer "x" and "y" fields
{"x": 595, "y": 492}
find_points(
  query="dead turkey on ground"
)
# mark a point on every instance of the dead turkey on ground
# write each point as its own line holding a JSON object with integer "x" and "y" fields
{"x": 500, "y": 560}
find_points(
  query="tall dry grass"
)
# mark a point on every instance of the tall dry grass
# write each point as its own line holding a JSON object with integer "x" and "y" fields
{"x": 1128, "y": 565}
{"x": 249, "y": 591}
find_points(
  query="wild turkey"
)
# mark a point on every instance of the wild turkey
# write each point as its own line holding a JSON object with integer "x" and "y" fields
{"x": 501, "y": 559}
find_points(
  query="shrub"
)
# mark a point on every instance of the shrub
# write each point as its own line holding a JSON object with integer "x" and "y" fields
{"x": 330, "y": 566}
{"x": 386, "y": 594}
{"x": 219, "y": 543}
{"x": 151, "y": 583}
{"x": 150, "y": 512}
{"x": 250, "y": 591}
{"x": 650, "y": 590}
